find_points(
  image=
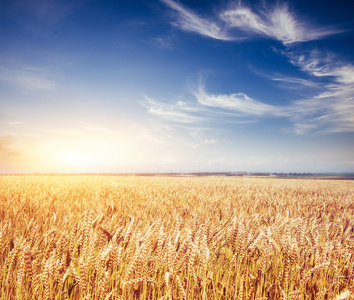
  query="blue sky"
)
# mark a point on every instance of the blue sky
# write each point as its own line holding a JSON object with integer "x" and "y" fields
{"x": 176, "y": 86}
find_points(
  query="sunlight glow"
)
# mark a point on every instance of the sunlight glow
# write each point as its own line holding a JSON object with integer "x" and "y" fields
{"x": 84, "y": 154}
{"x": 76, "y": 158}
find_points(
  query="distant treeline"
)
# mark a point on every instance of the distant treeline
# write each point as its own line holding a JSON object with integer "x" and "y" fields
{"x": 338, "y": 176}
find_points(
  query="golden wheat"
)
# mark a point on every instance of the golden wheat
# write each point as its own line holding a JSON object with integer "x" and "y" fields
{"x": 95, "y": 237}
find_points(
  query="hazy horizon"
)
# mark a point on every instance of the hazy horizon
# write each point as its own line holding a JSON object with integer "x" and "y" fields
{"x": 176, "y": 86}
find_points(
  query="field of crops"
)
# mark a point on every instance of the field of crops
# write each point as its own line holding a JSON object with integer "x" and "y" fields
{"x": 97, "y": 237}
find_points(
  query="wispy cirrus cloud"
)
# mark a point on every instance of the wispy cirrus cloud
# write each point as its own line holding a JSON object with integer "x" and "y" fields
{"x": 240, "y": 22}
{"x": 328, "y": 111}
{"x": 163, "y": 43}
{"x": 26, "y": 77}
{"x": 293, "y": 82}
{"x": 15, "y": 123}
{"x": 322, "y": 64}
{"x": 239, "y": 103}
{"x": 180, "y": 112}
{"x": 235, "y": 108}
{"x": 187, "y": 20}
{"x": 331, "y": 110}
{"x": 276, "y": 22}
{"x": 289, "y": 82}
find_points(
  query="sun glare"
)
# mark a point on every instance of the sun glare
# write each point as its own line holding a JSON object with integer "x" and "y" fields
{"x": 83, "y": 155}
{"x": 76, "y": 160}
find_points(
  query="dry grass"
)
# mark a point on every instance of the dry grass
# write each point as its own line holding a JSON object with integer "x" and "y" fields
{"x": 175, "y": 238}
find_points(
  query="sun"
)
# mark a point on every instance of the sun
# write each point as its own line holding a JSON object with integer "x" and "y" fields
{"x": 72, "y": 159}
{"x": 77, "y": 158}
{"x": 84, "y": 155}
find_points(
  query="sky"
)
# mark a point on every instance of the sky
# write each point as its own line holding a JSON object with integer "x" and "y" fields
{"x": 176, "y": 86}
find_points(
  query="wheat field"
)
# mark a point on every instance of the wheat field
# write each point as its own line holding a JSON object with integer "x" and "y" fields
{"x": 106, "y": 237}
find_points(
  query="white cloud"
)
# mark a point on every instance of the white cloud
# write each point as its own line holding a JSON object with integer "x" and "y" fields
{"x": 163, "y": 43}
{"x": 179, "y": 112}
{"x": 189, "y": 21}
{"x": 300, "y": 128}
{"x": 149, "y": 136}
{"x": 232, "y": 108}
{"x": 240, "y": 23}
{"x": 329, "y": 111}
{"x": 210, "y": 141}
{"x": 15, "y": 123}
{"x": 294, "y": 82}
{"x": 28, "y": 78}
{"x": 332, "y": 109}
{"x": 238, "y": 102}
{"x": 319, "y": 64}
{"x": 278, "y": 23}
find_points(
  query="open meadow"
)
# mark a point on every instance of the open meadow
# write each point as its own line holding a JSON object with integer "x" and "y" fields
{"x": 111, "y": 237}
